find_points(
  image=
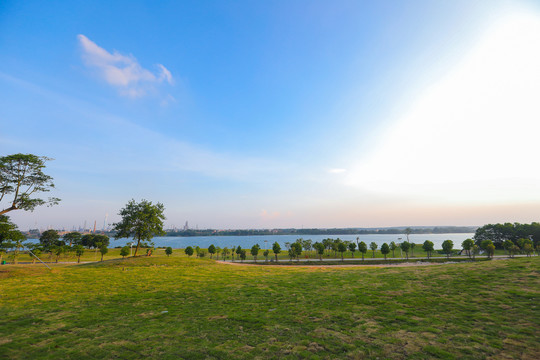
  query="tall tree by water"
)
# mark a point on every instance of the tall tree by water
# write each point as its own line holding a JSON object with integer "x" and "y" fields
{"x": 448, "y": 246}
{"x": 21, "y": 177}
{"x": 142, "y": 221}
{"x": 373, "y": 246}
{"x": 276, "y": 249}
{"x": 385, "y": 250}
{"x": 362, "y": 247}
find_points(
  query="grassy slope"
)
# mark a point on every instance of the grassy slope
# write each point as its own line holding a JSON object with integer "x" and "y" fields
{"x": 114, "y": 309}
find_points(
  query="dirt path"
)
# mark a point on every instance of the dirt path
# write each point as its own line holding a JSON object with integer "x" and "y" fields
{"x": 336, "y": 266}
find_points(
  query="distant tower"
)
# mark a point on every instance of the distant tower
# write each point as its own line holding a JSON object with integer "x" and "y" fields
{"x": 186, "y": 227}
{"x": 95, "y": 222}
{"x": 105, "y": 221}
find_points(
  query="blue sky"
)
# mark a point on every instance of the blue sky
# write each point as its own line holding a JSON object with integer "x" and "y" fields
{"x": 252, "y": 114}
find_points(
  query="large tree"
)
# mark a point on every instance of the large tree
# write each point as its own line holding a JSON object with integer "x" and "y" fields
{"x": 7, "y": 228}
{"x": 142, "y": 221}
{"x": 73, "y": 238}
{"x": 21, "y": 176}
{"x": 50, "y": 238}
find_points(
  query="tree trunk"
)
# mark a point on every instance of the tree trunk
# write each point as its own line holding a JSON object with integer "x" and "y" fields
{"x": 79, "y": 259}
{"x": 137, "y": 248}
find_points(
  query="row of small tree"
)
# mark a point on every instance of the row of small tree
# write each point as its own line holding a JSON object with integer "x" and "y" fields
{"x": 294, "y": 250}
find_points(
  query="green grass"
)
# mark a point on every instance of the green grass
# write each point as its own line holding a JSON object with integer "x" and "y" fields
{"x": 178, "y": 307}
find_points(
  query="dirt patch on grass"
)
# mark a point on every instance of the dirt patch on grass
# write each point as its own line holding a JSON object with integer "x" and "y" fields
{"x": 326, "y": 266}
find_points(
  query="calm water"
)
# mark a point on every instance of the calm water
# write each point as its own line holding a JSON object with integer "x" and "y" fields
{"x": 266, "y": 241}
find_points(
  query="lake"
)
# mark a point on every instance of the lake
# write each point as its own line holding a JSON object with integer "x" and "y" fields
{"x": 266, "y": 241}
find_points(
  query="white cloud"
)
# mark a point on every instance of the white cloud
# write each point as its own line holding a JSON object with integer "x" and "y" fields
{"x": 471, "y": 137}
{"x": 121, "y": 71}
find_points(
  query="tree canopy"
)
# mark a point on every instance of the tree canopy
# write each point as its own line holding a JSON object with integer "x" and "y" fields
{"x": 21, "y": 176}
{"x": 50, "y": 238}
{"x": 142, "y": 221}
{"x": 499, "y": 233}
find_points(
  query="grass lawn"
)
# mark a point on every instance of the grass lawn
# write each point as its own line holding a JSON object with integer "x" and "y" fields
{"x": 178, "y": 307}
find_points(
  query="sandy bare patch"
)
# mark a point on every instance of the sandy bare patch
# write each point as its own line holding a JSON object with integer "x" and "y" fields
{"x": 324, "y": 266}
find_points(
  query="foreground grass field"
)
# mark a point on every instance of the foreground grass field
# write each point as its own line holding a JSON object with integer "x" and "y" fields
{"x": 169, "y": 308}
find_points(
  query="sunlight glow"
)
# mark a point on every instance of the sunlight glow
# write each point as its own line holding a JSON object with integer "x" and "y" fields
{"x": 472, "y": 136}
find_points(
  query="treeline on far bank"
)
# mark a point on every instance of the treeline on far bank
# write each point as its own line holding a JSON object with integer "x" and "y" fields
{"x": 314, "y": 231}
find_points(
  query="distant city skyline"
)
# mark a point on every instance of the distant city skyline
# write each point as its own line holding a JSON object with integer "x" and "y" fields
{"x": 256, "y": 115}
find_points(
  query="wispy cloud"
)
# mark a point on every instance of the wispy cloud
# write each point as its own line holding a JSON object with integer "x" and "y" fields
{"x": 122, "y": 71}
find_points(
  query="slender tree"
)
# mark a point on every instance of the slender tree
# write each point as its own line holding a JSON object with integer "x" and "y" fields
{"x": 474, "y": 251}
{"x": 362, "y": 247}
{"x": 412, "y": 248}
{"x": 405, "y": 246}
{"x": 103, "y": 250}
{"x": 490, "y": 250}
{"x": 238, "y": 251}
{"x": 352, "y": 248}
{"x": 296, "y": 249}
{"x": 393, "y": 247}
{"x": 408, "y": 232}
{"x": 319, "y": 247}
{"x": 385, "y": 250}
{"x": 79, "y": 251}
{"x": 276, "y": 249}
{"x": 255, "y": 251}
{"x": 373, "y": 246}
{"x": 342, "y": 247}
{"x": 141, "y": 221}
